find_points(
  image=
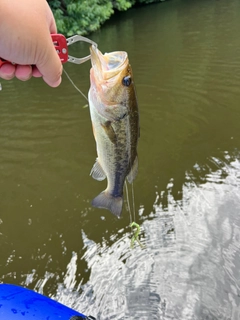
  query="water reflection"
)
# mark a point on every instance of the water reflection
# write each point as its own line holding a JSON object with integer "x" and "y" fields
{"x": 189, "y": 268}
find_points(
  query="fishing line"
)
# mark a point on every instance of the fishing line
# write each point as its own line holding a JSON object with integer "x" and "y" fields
{"x": 136, "y": 232}
{"x": 133, "y": 201}
{"x": 128, "y": 203}
{"x": 74, "y": 84}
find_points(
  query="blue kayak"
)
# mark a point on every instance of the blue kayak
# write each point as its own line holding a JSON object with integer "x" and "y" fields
{"x": 18, "y": 303}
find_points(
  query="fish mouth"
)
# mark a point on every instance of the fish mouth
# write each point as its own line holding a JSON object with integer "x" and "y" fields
{"x": 109, "y": 65}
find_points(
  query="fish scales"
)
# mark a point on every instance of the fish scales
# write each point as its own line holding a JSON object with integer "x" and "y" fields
{"x": 115, "y": 120}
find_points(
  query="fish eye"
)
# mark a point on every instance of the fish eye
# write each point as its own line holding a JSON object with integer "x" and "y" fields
{"x": 126, "y": 81}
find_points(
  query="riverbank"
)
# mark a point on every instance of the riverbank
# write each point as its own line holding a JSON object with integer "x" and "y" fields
{"x": 85, "y": 17}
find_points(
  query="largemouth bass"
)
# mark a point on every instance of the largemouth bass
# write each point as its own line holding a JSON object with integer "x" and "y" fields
{"x": 115, "y": 121}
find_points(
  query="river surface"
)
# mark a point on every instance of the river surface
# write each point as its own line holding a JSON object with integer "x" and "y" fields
{"x": 186, "y": 62}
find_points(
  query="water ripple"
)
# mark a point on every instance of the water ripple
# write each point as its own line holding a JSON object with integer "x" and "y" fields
{"x": 189, "y": 267}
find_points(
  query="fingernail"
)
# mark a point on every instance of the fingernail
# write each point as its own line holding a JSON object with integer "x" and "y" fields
{"x": 53, "y": 84}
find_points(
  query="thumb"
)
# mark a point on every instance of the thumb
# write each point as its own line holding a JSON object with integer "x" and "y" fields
{"x": 50, "y": 65}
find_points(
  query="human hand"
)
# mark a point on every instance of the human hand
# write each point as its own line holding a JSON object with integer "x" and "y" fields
{"x": 25, "y": 39}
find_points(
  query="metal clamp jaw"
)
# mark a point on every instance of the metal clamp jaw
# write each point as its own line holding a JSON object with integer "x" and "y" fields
{"x": 77, "y": 38}
{"x": 61, "y": 45}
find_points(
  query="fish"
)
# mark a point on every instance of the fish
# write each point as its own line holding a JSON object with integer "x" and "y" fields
{"x": 115, "y": 121}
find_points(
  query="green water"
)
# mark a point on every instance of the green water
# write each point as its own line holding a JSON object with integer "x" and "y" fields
{"x": 185, "y": 57}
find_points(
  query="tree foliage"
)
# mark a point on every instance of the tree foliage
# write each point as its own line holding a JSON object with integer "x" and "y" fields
{"x": 85, "y": 16}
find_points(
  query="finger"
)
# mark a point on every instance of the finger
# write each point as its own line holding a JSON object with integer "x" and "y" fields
{"x": 23, "y": 73}
{"x": 48, "y": 63}
{"x": 50, "y": 66}
{"x": 7, "y": 71}
{"x": 36, "y": 73}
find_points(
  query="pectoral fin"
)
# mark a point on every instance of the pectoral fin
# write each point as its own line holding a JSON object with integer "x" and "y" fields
{"x": 134, "y": 170}
{"x": 97, "y": 172}
{"x": 107, "y": 126}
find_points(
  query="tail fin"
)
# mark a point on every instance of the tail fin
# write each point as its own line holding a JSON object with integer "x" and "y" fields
{"x": 107, "y": 201}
